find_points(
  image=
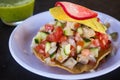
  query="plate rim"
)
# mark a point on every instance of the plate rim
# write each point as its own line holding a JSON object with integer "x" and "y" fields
{"x": 56, "y": 76}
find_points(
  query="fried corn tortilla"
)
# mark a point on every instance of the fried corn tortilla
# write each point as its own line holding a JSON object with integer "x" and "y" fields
{"x": 79, "y": 68}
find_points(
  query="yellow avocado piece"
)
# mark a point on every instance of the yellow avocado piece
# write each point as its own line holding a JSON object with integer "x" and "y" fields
{"x": 59, "y": 14}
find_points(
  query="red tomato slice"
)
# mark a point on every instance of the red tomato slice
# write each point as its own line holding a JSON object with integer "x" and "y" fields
{"x": 76, "y": 11}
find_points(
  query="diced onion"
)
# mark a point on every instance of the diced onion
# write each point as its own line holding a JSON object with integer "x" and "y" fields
{"x": 52, "y": 50}
{"x": 72, "y": 42}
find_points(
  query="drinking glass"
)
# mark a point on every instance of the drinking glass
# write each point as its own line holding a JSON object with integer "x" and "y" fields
{"x": 13, "y": 12}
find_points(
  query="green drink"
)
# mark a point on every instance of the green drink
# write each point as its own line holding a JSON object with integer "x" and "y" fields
{"x": 12, "y": 11}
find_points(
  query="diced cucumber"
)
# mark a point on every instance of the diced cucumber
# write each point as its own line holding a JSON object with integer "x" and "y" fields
{"x": 94, "y": 51}
{"x": 67, "y": 49}
{"x": 80, "y": 31}
{"x": 78, "y": 49}
{"x": 68, "y": 32}
{"x": 60, "y": 56}
{"x": 43, "y": 35}
{"x": 62, "y": 52}
{"x": 58, "y": 23}
{"x": 47, "y": 47}
{"x": 40, "y": 36}
{"x": 86, "y": 42}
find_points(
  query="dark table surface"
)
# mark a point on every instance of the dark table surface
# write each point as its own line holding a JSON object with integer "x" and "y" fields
{"x": 11, "y": 70}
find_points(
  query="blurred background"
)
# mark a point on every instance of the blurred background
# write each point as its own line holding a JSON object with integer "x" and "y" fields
{"x": 11, "y": 70}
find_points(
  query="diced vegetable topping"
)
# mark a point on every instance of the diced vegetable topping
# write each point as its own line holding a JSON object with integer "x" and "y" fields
{"x": 82, "y": 59}
{"x": 70, "y": 63}
{"x": 47, "y": 47}
{"x": 36, "y": 40}
{"x": 94, "y": 51}
{"x": 61, "y": 56}
{"x": 80, "y": 31}
{"x": 68, "y": 32}
{"x": 78, "y": 49}
{"x": 67, "y": 49}
{"x": 40, "y": 36}
{"x": 70, "y": 44}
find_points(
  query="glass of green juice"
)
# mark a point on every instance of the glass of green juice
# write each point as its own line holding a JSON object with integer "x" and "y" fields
{"x": 13, "y": 12}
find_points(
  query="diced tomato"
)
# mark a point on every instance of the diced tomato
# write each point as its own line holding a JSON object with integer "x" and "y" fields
{"x": 63, "y": 38}
{"x": 37, "y": 48}
{"x": 49, "y": 27}
{"x": 58, "y": 32}
{"x": 103, "y": 40}
{"x": 40, "y": 48}
{"x": 51, "y": 38}
{"x": 41, "y": 51}
{"x": 46, "y": 55}
{"x": 56, "y": 36}
{"x": 80, "y": 43}
{"x": 95, "y": 42}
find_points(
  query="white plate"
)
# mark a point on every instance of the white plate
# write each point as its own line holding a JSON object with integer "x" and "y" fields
{"x": 20, "y": 40}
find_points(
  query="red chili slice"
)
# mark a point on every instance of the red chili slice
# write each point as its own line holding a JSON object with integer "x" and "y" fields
{"x": 76, "y": 11}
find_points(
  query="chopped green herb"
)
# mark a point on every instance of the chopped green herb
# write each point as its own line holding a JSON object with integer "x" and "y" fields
{"x": 36, "y": 41}
{"x": 86, "y": 40}
{"x": 52, "y": 55}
